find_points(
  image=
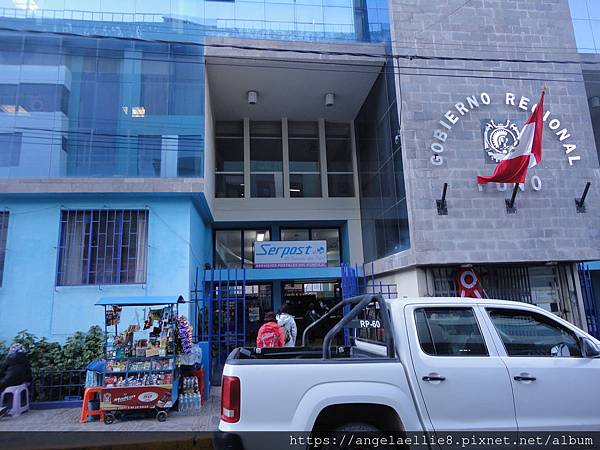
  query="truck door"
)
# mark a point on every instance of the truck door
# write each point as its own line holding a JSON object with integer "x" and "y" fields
{"x": 555, "y": 387}
{"x": 463, "y": 381}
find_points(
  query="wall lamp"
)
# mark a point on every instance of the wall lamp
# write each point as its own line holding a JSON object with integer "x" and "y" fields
{"x": 580, "y": 202}
{"x": 252, "y": 97}
{"x": 442, "y": 206}
{"x": 329, "y": 99}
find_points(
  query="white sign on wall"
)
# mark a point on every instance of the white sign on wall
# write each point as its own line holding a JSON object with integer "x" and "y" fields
{"x": 503, "y": 135}
{"x": 282, "y": 254}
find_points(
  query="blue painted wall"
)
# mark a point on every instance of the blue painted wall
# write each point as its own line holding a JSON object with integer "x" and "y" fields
{"x": 29, "y": 297}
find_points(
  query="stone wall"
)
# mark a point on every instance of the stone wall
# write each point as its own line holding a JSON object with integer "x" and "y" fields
{"x": 492, "y": 47}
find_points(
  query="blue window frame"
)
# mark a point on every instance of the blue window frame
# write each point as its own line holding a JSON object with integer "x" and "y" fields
{"x": 107, "y": 246}
{"x": 3, "y": 235}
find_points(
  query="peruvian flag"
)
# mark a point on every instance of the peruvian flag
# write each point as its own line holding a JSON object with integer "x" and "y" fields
{"x": 528, "y": 152}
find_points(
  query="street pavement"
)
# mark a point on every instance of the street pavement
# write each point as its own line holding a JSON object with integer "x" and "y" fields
{"x": 67, "y": 419}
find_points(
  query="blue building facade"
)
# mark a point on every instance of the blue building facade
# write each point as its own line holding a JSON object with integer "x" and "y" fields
{"x": 119, "y": 174}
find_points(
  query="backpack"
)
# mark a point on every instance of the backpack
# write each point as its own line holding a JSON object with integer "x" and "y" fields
{"x": 267, "y": 339}
{"x": 268, "y": 336}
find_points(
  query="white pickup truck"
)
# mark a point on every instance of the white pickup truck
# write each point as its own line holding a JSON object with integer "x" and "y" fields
{"x": 424, "y": 365}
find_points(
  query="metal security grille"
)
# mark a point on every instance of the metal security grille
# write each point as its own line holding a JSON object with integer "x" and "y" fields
{"x": 502, "y": 282}
{"x": 549, "y": 286}
{"x": 3, "y": 234}
{"x": 58, "y": 385}
{"x": 103, "y": 247}
{"x": 589, "y": 299}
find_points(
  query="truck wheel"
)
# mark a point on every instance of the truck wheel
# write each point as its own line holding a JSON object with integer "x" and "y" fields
{"x": 161, "y": 416}
{"x": 109, "y": 418}
{"x": 342, "y": 433}
{"x": 358, "y": 427}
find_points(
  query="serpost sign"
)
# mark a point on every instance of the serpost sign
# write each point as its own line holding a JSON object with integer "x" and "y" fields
{"x": 290, "y": 254}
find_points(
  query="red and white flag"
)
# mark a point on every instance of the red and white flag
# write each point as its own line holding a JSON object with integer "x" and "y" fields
{"x": 527, "y": 153}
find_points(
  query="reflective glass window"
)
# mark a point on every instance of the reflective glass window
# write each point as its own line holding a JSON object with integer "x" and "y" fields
{"x": 250, "y": 238}
{"x": 10, "y": 149}
{"x": 527, "y": 333}
{"x": 235, "y": 248}
{"x": 449, "y": 332}
{"x": 228, "y": 248}
{"x": 332, "y": 236}
{"x": 304, "y": 159}
{"x": 229, "y": 159}
{"x": 154, "y": 97}
{"x": 190, "y": 156}
{"x": 340, "y": 177}
{"x": 266, "y": 159}
{"x": 149, "y": 155}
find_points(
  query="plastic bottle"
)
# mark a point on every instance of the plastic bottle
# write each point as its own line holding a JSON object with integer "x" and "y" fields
{"x": 183, "y": 404}
{"x": 196, "y": 406}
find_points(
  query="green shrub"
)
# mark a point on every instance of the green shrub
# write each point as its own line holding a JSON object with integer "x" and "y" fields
{"x": 76, "y": 353}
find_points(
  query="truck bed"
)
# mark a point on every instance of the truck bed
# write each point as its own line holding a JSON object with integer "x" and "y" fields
{"x": 253, "y": 355}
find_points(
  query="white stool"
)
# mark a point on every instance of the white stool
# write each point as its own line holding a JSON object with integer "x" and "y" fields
{"x": 20, "y": 399}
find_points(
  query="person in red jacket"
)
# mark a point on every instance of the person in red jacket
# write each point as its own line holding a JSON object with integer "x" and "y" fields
{"x": 270, "y": 334}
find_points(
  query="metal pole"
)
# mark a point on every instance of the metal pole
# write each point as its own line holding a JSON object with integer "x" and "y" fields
{"x": 514, "y": 195}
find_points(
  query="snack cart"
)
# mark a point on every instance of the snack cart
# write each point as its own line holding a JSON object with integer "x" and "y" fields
{"x": 140, "y": 374}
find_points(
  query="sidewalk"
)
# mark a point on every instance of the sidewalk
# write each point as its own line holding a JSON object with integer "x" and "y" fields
{"x": 67, "y": 419}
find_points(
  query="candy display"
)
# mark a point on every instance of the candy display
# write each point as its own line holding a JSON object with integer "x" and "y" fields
{"x": 149, "y": 379}
{"x": 141, "y": 369}
{"x": 184, "y": 330}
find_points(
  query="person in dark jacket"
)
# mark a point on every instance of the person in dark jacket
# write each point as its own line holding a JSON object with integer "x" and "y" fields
{"x": 15, "y": 370}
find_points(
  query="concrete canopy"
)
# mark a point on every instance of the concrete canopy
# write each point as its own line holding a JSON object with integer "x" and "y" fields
{"x": 291, "y": 84}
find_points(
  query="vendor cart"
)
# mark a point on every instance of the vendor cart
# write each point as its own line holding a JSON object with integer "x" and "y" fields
{"x": 140, "y": 374}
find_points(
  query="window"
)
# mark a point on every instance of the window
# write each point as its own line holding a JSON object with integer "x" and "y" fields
{"x": 376, "y": 332}
{"x": 103, "y": 247}
{"x": 3, "y": 235}
{"x": 235, "y": 248}
{"x": 384, "y": 216}
{"x": 330, "y": 235}
{"x": 295, "y": 235}
{"x": 305, "y": 159}
{"x": 190, "y": 156}
{"x": 10, "y": 149}
{"x": 37, "y": 97}
{"x": 449, "y": 332}
{"x": 149, "y": 155}
{"x": 339, "y": 160}
{"x": 154, "y": 96}
{"x": 266, "y": 159}
{"x": 229, "y": 159}
{"x": 8, "y": 98}
{"x": 526, "y": 333}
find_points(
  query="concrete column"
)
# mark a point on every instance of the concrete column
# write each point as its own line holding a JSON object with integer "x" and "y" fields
{"x": 246, "y": 157}
{"x": 286, "y": 157}
{"x": 323, "y": 159}
{"x": 354, "y": 159}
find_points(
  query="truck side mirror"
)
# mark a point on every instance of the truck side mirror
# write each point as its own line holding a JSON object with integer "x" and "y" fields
{"x": 589, "y": 349}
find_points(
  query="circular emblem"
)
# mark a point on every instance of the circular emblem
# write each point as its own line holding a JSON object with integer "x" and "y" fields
{"x": 499, "y": 139}
{"x": 468, "y": 279}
